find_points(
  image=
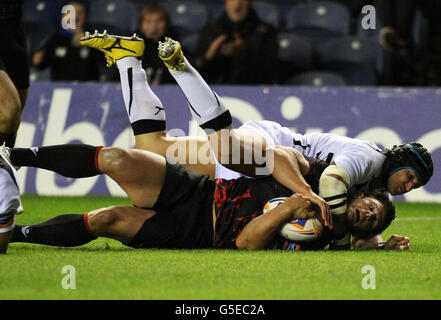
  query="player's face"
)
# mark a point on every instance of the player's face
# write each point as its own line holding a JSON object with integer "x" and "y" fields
{"x": 365, "y": 214}
{"x": 153, "y": 26}
{"x": 402, "y": 181}
{"x": 237, "y": 10}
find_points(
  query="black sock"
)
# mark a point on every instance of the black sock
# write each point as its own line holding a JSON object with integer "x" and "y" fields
{"x": 67, "y": 230}
{"x": 70, "y": 160}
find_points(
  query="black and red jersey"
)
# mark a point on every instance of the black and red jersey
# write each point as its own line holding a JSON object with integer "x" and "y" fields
{"x": 239, "y": 201}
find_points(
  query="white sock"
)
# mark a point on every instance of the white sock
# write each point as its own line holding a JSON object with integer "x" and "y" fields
{"x": 143, "y": 107}
{"x": 205, "y": 105}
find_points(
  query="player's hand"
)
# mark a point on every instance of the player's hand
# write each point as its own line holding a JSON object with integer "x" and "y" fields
{"x": 300, "y": 206}
{"x": 325, "y": 211}
{"x": 215, "y": 47}
{"x": 397, "y": 242}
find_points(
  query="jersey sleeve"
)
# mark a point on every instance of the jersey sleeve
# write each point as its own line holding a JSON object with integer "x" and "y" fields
{"x": 360, "y": 164}
{"x": 272, "y": 132}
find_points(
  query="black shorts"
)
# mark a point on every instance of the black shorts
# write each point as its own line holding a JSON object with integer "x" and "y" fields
{"x": 13, "y": 53}
{"x": 184, "y": 213}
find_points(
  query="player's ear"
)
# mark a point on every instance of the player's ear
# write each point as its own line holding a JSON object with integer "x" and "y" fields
{"x": 359, "y": 195}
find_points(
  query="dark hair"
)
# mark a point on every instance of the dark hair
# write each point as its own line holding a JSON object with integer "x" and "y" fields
{"x": 389, "y": 208}
{"x": 410, "y": 155}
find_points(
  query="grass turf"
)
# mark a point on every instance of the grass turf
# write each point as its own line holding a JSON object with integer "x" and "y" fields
{"x": 105, "y": 269}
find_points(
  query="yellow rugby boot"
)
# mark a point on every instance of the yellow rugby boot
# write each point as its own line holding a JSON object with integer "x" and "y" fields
{"x": 171, "y": 54}
{"x": 114, "y": 47}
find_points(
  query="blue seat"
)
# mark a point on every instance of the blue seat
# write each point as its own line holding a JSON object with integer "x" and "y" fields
{"x": 190, "y": 43}
{"x": 419, "y": 32}
{"x": 359, "y": 60}
{"x": 39, "y": 75}
{"x": 111, "y": 29}
{"x": 121, "y": 14}
{"x": 268, "y": 12}
{"x": 215, "y": 9}
{"x": 186, "y": 17}
{"x": 319, "y": 18}
{"x": 295, "y": 50}
{"x": 355, "y": 50}
{"x": 37, "y": 34}
{"x": 318, "y": 79}
{"x": 41, "y": 11}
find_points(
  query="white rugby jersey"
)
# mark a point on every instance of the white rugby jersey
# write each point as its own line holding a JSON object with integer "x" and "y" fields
{"x": 361, "y": 160}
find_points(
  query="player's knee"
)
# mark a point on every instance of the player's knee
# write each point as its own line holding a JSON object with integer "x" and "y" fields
{"x": 100, "y": 221}
{"x": 112, "y": 158}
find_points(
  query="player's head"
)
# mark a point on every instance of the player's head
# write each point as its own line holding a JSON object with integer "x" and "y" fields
{"x": 237, "y": 10}
{"x": 369, "y": 214}
{"x": 153, "y": 22}
{"x": 407, "y": 166}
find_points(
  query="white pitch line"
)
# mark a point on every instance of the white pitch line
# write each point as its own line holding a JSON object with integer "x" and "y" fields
{"x": 417, "y": 218}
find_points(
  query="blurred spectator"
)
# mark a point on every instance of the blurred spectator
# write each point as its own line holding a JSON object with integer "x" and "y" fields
{"x": 238, "y": 48}
{"x": 64, "y": 54}
{"x": 154, "y": 26}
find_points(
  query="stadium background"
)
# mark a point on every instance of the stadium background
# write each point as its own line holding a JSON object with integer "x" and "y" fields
{"x": 94, "y": 113}
{"x": 60, "y": 112}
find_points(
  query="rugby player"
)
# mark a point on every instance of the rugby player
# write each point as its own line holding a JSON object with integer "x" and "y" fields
{"x": 14, "y": 84}
{"x": 355, "y": 165}
{"x": 176, "y": 208}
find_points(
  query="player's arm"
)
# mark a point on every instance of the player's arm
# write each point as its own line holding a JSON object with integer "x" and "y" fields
{"x": 262, "y": 232}
{"x": 395, "y": 242}
{"x": 333, "y": 188}
{"x": 288, "y": 167}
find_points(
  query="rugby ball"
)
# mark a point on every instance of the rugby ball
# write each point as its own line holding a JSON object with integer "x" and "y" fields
{"x": 296, "y": 229}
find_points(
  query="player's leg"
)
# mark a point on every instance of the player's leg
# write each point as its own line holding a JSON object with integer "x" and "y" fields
{"x": 144, "y": 109}
{"x": 140, "y": 173}
{"x": 239, "y": 150}
{"x": 147, "y": 116}
{"x": 121, "y": 223}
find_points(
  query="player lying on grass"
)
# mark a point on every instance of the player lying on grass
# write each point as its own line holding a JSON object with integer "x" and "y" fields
{"x": 176, "y": 208}
{"x": 357, "y": 165}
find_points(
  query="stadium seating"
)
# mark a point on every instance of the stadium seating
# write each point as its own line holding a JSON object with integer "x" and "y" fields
{"x": 319, "y": 19}
{"x": 186, "y": 17}
{"x": 37, "y": 34}
{"x": 41, "y": 12}
{"x": 190, "y": 43}
{"x": 39, "y": 75}
{"x": 362, "y": 32}
{"x": 295, "y": 50}
{"x": 357, "y": 59}
{"x": 268, "y": 12}
{"x": 120, "y": 14}
{"x": 318, "y": 79}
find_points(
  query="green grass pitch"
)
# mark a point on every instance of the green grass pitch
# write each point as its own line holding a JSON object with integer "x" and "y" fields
{"x": 105, "y": 269}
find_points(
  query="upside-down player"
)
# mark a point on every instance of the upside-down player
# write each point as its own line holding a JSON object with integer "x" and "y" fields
{"x": 355, "y": 165}
{"x": 182, "y": 202}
